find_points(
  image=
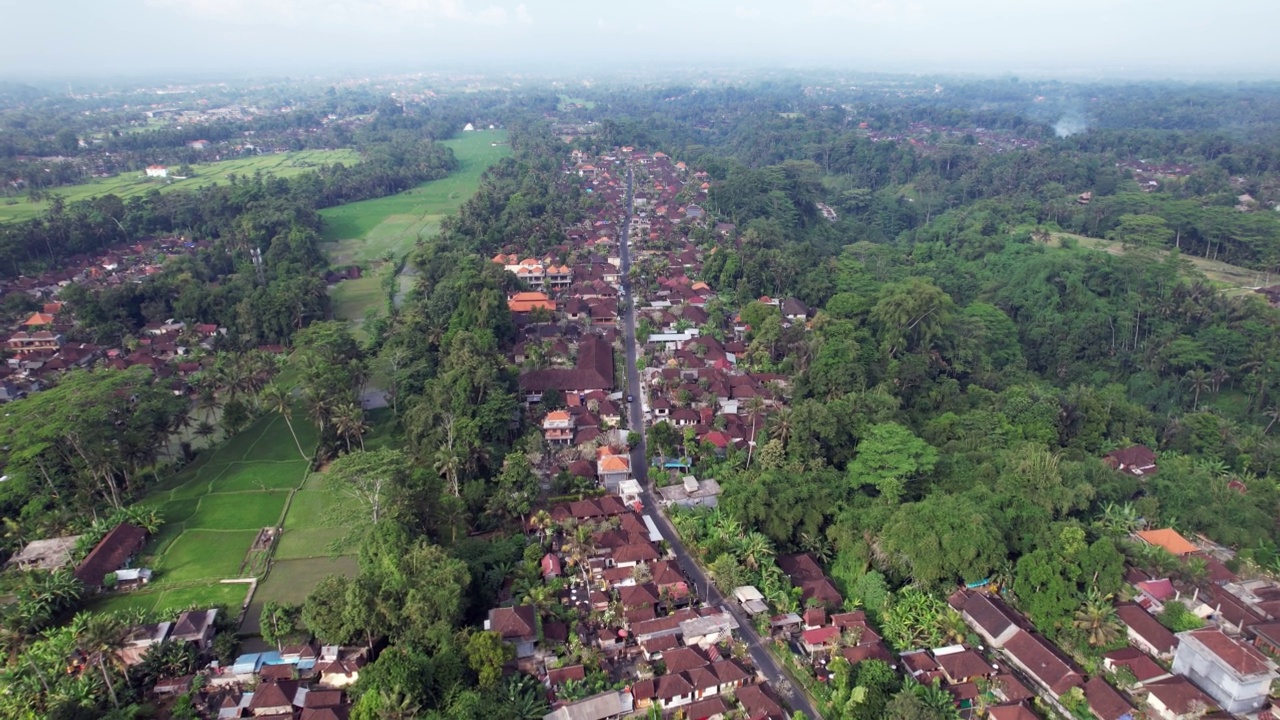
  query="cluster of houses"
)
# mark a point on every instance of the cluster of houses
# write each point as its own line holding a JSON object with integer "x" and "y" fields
{"x": 1221, "y": 670}
{"x": 660, "y": 646}
{"x": 41, "y": 345}
{"x": 107, "y": 564}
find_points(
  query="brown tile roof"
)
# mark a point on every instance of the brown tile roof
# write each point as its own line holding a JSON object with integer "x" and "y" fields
{"x": 513, "y": 623}
{"x": 1039, "y": 658}
{"x": 1012, "y": 712}
{"x": 1105, "y": 702}
{"x": 1178, "y": 694}
{"x": 759, "y": 703}
{"x": 966, "y": 665}
{"x": 110, "y": 554}
{"x": 1146, "y": 627}
{"x": 1138, "y": 663}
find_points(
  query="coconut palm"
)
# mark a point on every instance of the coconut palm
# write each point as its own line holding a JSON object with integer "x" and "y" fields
{"x": 279, "y": 400}
{"x": 100, "y": 637}
{"x": 1097, "y": 618}
{"x": 348, "y": 422}
{"x": 1198, "y": 380}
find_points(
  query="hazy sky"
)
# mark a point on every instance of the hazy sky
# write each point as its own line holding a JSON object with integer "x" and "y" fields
{"x": 1127, "y": 37}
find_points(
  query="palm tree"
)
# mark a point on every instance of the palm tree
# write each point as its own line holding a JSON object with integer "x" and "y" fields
{"x": 1097, "y": 618}
{"x": 448, "y": 463}
{"x": 348, "y": 421}
{"x": 100, "y": 637}
{"x": 542, "y": 523}
{"x": 1198, "y": 379}
{"x": 1119, "y": 520}
{"x": 280, "y": 400}
{"x": 397, "y": 705}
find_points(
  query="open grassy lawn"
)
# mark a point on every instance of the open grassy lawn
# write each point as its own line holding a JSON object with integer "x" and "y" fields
{"x": 566, "y": 102}
{"x": 1232, "y": 279}
{"x": 260, "y": 475}
{"x": 239, "y": 511}
{"x": 205, "y": 554}
{"x": 168, "y": 602}
{"x": 361, "y": 233}
{"x": 351, "y": 298}
{"x": 130, "y": 184}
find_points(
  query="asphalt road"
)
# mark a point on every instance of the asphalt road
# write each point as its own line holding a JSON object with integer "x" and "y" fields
{"x": 640, "y": 468}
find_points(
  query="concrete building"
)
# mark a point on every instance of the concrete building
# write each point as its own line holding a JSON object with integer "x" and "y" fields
{"x": 1236, "y": 675}
{"x": 691, "y": 493}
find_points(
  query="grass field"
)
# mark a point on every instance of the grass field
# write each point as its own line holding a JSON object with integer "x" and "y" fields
{"x": 1231, "y": 278}
{"x": 130, "y": 184}
{"x": 213, "y": 512}
{"x": 361, "y": 233}
{"x": 566, "y": 102}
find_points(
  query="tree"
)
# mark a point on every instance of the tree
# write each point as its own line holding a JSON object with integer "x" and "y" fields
{"x": 889, "y": 455}
{"x": 323, "y": 612}
{"x": 486, "y": 654}
{"x": 961, "y": 544}
{"x": 372, "y": 479}
{"x": 278, "y": 621}
{"x": 279, "y": 400}
{"x": 517, "y": 487}
{"x": 1198, "y": 379}
{"x": 911, "y": 315}
{"x": 1097, "y": 619}
{"x": 100, "y": 636}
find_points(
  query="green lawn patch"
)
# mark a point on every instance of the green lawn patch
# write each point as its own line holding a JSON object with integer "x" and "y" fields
{"x": 133, "y": 184}
{"x": 361, "y": 233}
{"x": 275, "y": 442}
{"x": 176, "y": 512}
{"x": 144, "y": 600}
{"x": 239, "y": 511}
{"x": 309, "y": 542}
{"x": 312, "y": 508}
{"x": 259, "y": 476}
{"x": 205, "y": 554}
{"x": 291, "y": 580}
{"x": 229, "y": 595}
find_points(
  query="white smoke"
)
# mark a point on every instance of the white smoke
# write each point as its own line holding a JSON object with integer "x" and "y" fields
{"x": 1070, "y": 124}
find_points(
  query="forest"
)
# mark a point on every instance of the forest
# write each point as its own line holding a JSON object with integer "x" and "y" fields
{"x": 968, "y": 363}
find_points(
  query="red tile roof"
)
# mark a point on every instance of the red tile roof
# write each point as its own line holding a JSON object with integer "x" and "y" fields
{"x": 110, "y": 554}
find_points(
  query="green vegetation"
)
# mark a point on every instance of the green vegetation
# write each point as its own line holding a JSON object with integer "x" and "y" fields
{"x": 127, "y": 185}
{"x": 368, "y": 232}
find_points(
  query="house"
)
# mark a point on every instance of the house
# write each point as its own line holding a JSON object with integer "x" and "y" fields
{"x": 664, "y": 691}
{"x": 751, "y": 599}
{"x": 593, "y": 371}
{"x": 157, "y": 171}
{"x": 612, "y": 469}
{"x": 759, "y": 704}
{"x": 49, "y": 554}
{"x": 139, "y": 638}
{"x": 523, "y": 302}
{"x": 557, "y": 428}
{"x": 339, "y": 667}
{"x": 111, "y": 553}
{"x": 40, "y": 341}
{"x": 1143, "y": 668}
{"x": 806, "y": 574}
{"x": 1016, "y": 711}
{"x": 551, "y": 566}
{"x": 819, "y": 639}
{"x": 1175, "y": 698}
{"x": 1169, "y": 539}
{"x": 1235, "y": 674}
{"x": 691, "y": 493}
{"x": 517, "y": 626}
{"x": 961, "y": 665}
{"x": 1145, "y": 632}
{"x": 605, "y": 706}
{"x": 1105, "y": 702}
{"x": 273, "y": 698}
{"x": 706, "y": 630}
{"x": 1036, "y": 657}
{"x": 1137, "y": 460}
{"x": 195, "y": 626}
{"x": 988, "y": 616}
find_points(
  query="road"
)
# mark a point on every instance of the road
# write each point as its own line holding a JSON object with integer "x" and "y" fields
{"x": 765, "y": 662}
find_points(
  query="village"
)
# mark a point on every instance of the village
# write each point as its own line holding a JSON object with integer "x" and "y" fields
{"x": 622, "y": 624}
